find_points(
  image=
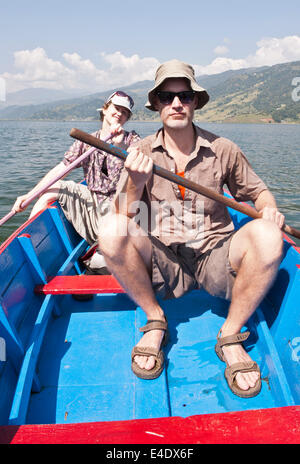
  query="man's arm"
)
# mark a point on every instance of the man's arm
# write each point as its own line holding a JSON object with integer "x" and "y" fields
{"x": 266, "y": 204}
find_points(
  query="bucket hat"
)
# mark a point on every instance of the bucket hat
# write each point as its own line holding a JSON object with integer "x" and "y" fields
{"x": 176, "y": 68}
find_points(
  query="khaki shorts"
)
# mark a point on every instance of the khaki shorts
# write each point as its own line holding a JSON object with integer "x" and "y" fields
{"x": 81, "y": 207}
{"x": 177, "y": 270}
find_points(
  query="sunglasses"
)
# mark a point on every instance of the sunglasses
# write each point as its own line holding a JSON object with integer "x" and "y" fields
{"x": 186, "y": 96}
{"x": 122, "y": 94}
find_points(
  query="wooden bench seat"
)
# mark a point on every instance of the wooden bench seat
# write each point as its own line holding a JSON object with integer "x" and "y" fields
{"x": 79, "y": 284}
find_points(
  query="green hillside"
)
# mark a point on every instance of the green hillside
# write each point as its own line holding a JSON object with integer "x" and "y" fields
{"x": 253, "y": 95}
{"x": 261, "y": 95}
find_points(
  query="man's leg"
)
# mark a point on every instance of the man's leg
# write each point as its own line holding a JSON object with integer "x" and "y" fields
{"x": 129, "y": 259}
{"x": 255, "y": 254}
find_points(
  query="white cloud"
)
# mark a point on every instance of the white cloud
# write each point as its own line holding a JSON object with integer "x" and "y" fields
{"x": 129, "y": 69}
{"x": 221, "y": 50}
{"x": 272, "y": 51}
{"x": 36, "y": 69}
{"x": 269, "y": 51}
{"x": 74, "y": 72}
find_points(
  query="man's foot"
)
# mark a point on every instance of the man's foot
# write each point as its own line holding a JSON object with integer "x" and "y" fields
{"x": 152, "y": 339}
{"x": 147, "y": 356}
{"x": 242, "y": 373}
{"x": 236, "y": 354}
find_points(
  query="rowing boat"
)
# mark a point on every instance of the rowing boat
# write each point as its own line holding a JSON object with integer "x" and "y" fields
{"x": 65, "y": 373}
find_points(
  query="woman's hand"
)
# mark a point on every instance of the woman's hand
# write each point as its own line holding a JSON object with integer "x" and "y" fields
{"x": 118, "y": 133}
{"x": 18, "y": 203}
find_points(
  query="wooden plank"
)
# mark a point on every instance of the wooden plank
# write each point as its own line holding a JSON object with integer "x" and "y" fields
{"x": 80, "y": 284}
{"x": 263, "y": 426}
{"x": 27, "y": 371}
{"x": 58, "y": 224}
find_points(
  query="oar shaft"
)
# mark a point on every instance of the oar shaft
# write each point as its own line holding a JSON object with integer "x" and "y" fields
{"x": 7, "y": 217}
{"x": 122, "y": 154}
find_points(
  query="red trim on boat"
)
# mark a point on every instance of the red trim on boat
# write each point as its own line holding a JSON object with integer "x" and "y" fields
{"x": 17, "y": 232}
{"x": 263, "y": 426}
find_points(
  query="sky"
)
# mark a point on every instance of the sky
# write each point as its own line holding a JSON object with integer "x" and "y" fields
{"x": 96, "y": 45}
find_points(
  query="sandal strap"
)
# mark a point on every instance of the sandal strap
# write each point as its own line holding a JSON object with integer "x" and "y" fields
{"x": 229, "y": 340}
{"x": 230, "y": 375}
{"x": 154, "y": 324}
{"x": 233, "y": 339}
{"x": 144, "y": 351}
{"x": 248, "y": 366}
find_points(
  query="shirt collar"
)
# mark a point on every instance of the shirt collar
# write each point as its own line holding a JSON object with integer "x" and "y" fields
{"x": 201, "y": 141}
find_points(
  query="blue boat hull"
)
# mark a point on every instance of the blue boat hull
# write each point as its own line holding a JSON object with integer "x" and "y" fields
{"x": 68, "y": 361}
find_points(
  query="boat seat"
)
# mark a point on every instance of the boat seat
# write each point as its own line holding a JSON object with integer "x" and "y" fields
{"x": 79, "y": 284}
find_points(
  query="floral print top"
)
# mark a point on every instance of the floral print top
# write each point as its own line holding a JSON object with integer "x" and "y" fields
{"x": 101, "y": 170}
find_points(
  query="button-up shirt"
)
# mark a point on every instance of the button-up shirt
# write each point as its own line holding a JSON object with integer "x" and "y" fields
{"x": 196, "y": 221}
{"x": 101, "y": 170}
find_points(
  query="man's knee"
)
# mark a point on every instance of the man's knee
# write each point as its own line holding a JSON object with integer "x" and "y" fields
{"x": 113, "y": 232}
{"x": 259, "y": 238}
{"x": 118, "y": 232}
{"x": 267, "y": 238}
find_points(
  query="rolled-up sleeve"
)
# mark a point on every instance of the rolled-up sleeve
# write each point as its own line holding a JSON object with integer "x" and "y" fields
{"x": 76, "y": 150}
{"x": 243, "y": 183}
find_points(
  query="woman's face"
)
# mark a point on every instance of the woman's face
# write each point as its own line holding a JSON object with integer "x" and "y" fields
{"x": 116, "y": 114}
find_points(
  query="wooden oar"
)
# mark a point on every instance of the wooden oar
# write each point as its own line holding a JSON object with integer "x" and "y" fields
{"x": 122, "y": 154}
{"x": 68, "y": 168}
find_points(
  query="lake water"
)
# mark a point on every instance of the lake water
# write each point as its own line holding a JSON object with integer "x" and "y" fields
{"x": 30, "y": 149}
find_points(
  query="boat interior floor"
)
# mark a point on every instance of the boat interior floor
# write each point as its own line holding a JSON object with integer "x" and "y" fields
{"x": 84, "y": 363}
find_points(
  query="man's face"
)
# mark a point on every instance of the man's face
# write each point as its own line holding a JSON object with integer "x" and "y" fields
{"x": 176, "y": 115}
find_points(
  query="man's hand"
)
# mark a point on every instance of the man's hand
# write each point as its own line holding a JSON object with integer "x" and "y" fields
{"x": 272, "y": 214}
{"x": 266, "y": 205}
{"x": 139, "y": 167}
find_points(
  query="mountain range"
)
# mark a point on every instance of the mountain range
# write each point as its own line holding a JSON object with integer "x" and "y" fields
{"x": 252, "y": 95}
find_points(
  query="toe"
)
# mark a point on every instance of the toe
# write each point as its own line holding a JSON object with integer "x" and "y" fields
{"x": 242, "y": 382}
{"x": 150, "y": 363}
{"x": 246, "y": 381}
{"x": 145, "y": 362}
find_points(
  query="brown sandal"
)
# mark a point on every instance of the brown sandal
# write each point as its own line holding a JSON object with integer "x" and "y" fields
{"x": 147, "y": 351}
{"x": 231, "y": 371}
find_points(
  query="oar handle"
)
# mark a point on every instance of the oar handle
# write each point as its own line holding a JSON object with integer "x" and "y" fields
{"x": 45, "y": 187}
{"x": 7, "y": 217}
{"x": 122, "y": 154}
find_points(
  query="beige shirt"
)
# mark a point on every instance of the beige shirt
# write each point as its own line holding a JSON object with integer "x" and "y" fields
{"x": 197, "y": 221}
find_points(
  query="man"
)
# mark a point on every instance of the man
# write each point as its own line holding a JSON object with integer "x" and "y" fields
{"x": 239, "y": 266}
{"x": 84, "y": 205}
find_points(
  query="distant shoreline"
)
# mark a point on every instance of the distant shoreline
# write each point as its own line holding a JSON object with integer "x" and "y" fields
{"x": 197, "y": 121}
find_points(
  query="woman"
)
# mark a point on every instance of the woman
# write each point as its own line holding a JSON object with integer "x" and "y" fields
{"x": 84, "y": 205}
